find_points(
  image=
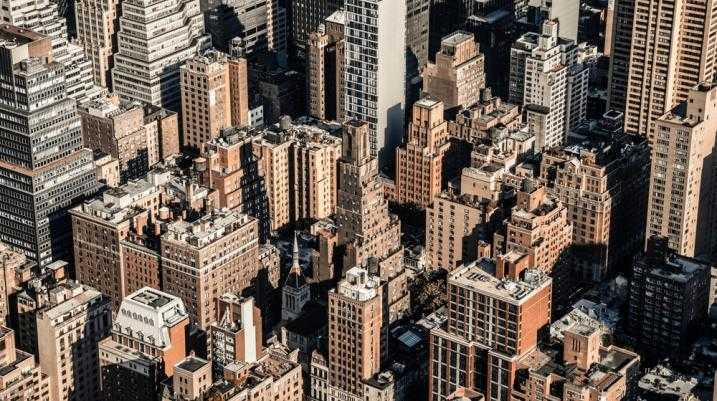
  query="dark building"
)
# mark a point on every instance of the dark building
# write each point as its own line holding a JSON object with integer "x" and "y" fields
{"x": 669, "y": 296}
{"x": 305, "y": 16}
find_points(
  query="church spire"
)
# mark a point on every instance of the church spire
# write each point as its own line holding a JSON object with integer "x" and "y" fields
{"x": 295, "y": 267}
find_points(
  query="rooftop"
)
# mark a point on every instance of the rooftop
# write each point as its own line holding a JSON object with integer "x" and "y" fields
{"x": 480, "y": 276}
{"x": 207, "y": 229}
{"x": 192, "y": 364}
{"x": 358, "y": 285}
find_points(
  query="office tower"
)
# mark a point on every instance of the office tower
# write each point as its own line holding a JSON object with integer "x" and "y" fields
{"x": 458, "y": 224}
{"x": 274, "y": 152}
{"x": 76, "y": 318}
{"x": 554, "y": 85}
{"x": 465, "y": 352}
{"x": 538, "y": 227}
{"x": 21, "y": 376}
{"x": 306, "y": 16}
{"x": 419, "y": 163}
{"x": 571, "y": 374}
{"x": 355, "y": 325}
{"x": 458, "y": 75}
{"x": 191, "y": 269}
{"x": 296, "y": 292}
{"x": 604, "y": 185}
{"x": 667, "y": 59}
{"x": 669, "y": 295}
{"x": 146, "y": 65}
{"x": 96, "y": 28}
{"x": 148, "y": 338}
{"x": 236, "y": 335}
{"x": 128, "y": 132}
{"x": 565, "y": 12}
{"x": 43, "y": 17}
{"x": 417, "y": 20}
{"x": 42, "y": 178}
{"x": 376, "y": 72}
{"x": 620, "y": 44}
{"x": 682, "y": 177}
{"x": 260, "y": 25}
{"x": 326, "y": 68}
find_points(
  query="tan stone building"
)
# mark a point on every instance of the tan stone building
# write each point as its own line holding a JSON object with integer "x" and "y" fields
{"x": 419, "y": 162}
{"x": 667, "y": 59}
{"x": 236, "y": 336}
{"x": 458, "y": 225}
{"x": 587, "y": 370}
{"x": 458, "y": 74}
{"x": 96, "y": 23}
{"x": 20, "y": 375}
{"x": 326, "y": 49}
{"x": 137, "y": 136}
{"x": 682, "y": 179}
{"x": 274, "y": 152}
{"x": 11, "y": 265}
{"x": 538, "y": 227}
{"x": 76, "y": 318}
{"x": 474, "y": 123}
{"x": 355, "y": 325}
{"x": 214, "y": 96}
{"x": 213, "y": 255}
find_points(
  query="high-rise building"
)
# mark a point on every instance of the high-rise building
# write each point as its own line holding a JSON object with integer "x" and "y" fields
{"x": 376, "y": 72}
{"x": 458, "y": 75}
{"x": 419, "y": 163}
{"x": 604, "y": 185}
{"x": 306, "y": 16}
{"x": 43, "y": 178}
{"x": 215, "y": 96}
{"x": 149, "y": 54}
{"x": 555, "y": 86}
{"x": 667, "y": 59}
{"x": 565, "y": 12}
{"x": 669, "y": 296}
{"x": 76, "y": 318}
{"x": 96, "y": 31}
{"x": 138, "y": 136}
{"x": 236, "y": 336}
{"x": 21, "y": 376}
{"x": 326, "y": 70}
{"x": 191, "y": 269}
{"x": 355, "y": 325}
{"x": 468, "y": 353}
{"x": 620, "y": 43}
{"x": 417, "y": 20}
{"x": 370, "y": 233}
{"x": 682, "y": 178}
{"x": 259, "y": 25}
{"x": 43, "y": 17}
{"x": 149, "y": 337}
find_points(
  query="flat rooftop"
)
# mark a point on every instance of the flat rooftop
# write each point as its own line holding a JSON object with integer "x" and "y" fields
{"x": 480, "y": 276}
{"x": 192, "y": 364}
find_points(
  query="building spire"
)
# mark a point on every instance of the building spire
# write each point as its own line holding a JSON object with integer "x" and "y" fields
{"x": 295, "y": 267}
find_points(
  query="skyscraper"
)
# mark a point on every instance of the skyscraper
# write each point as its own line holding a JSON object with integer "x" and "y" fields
{"x": 682, "y": 178}
{"x": 667, "y": 58}
{"x": 376, "y": 71}
{"x": 146, "y": 66}
{"x": 306, "y": 15}
{"x": 326, "y": 68}
{"x": 43, "y": 178}
{"x": 259, "y": 24}
{"x": 621, "y": 41}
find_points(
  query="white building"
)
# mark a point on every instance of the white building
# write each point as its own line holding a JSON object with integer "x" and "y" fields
{"x": 149, "y": 54}
{"x": 554, "y": 87}
{"x": 376, "y": 71}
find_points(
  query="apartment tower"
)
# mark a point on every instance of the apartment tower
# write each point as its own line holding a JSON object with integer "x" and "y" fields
{"x": 376, "y": 72}
{"x": 682, "y": 177}
{"x": 672, "y": 49}
{"x": 326, "y": 69}
{"x": 96, "y": 29}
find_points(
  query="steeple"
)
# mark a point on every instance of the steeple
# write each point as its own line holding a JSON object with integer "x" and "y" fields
{"x": 296, "y": 290}
{"x": 295, "y": 267}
